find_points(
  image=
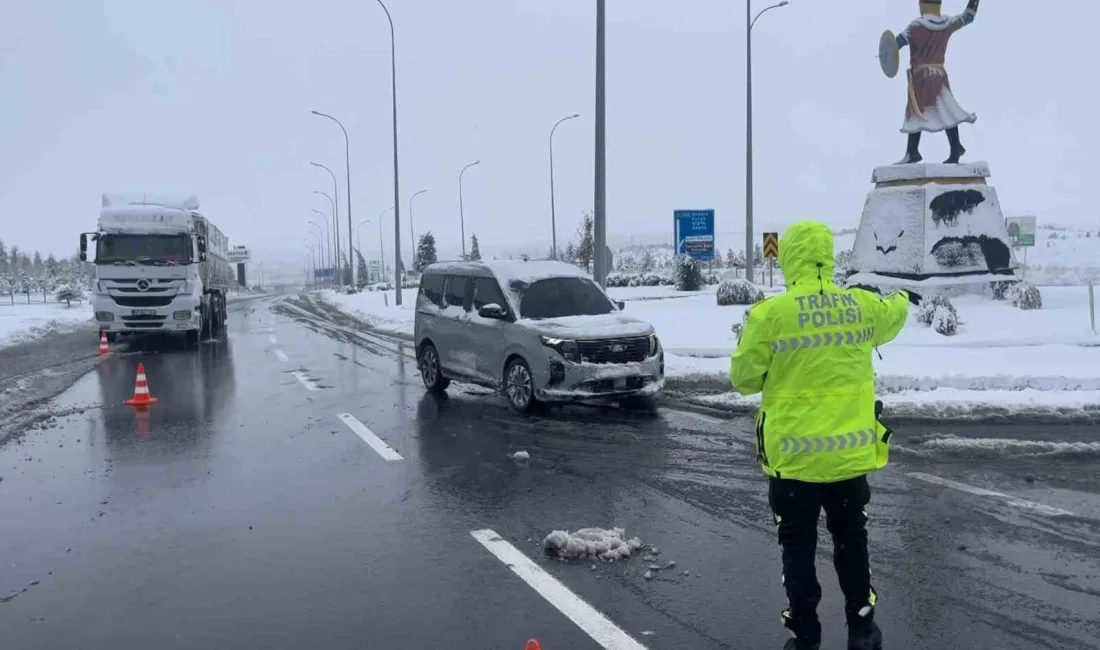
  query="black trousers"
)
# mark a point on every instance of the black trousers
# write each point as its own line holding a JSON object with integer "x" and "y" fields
{"x": 796, "y": 506}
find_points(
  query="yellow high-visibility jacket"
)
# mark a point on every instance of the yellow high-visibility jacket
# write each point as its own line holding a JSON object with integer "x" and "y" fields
{"x": 809, "y": 351}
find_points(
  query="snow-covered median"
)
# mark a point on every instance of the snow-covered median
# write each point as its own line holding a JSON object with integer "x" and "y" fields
{"x": 20, "y": 323}
{"x": 1003, "y": 361}
{"x": 376, "y": 309}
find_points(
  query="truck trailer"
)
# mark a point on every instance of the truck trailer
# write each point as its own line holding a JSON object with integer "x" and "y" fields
{"x": 161, "y": 268}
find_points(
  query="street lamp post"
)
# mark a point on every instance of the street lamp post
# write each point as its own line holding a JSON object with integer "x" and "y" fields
{"x": 412, "y": 232}
{"x": 749, "y": 23}
{"x": 553, "y": 216}
{"x": 396, "y": 193}
{"x": 335, "y": 204}
{"x": 321, "y": 235}
{"x": 382, "y": 246}
{"x": 461, "y": 213}
{"x": 336, "y": 229}
{"x": 328, "y": 223}
{"x": 347, "y": 166}
{"x": 359, "y": 240}
{"x": 314, "y": 251}
{"x": 599, "y": 207}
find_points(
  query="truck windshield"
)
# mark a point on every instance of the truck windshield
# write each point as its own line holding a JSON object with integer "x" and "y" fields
{"x": 143, "y": 249}
{"x": 560, "y": 297}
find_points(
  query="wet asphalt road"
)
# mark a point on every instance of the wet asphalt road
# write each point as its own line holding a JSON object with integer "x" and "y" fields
{"x": 243, "y": 513}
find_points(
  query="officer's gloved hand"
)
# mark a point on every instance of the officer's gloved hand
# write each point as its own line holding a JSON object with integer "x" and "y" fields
{"x": 914, "y": 297}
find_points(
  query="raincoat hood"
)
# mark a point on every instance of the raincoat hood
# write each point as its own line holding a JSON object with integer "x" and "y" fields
{"x": 806, "y": 255}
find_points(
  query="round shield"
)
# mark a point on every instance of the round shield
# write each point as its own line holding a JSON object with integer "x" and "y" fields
{"x": 889, "y": 55}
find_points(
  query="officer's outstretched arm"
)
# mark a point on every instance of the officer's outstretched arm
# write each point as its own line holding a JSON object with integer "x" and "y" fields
{"x": 888, "y": 314}
{"x": 750, "y": 362}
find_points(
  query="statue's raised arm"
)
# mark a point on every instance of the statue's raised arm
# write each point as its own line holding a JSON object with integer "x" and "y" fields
{"x": 931, "y": 104}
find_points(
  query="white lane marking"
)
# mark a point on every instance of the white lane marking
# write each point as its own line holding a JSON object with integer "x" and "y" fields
{"x": 306, "y": 381}
{"x": 376, "y": 443}
{"x": 272, "y": 339}
{"x": 280, "y": 355}
{"x": 594, "y": 624}
{"x": 982, "y": 492}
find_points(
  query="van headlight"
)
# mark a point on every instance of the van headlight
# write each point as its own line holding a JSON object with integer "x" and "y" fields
{"x": 654, "y": 345}
{"x": 567, "y": 348}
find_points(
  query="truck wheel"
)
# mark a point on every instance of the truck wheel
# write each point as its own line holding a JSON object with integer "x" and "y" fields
{"x": 205, "y": 327}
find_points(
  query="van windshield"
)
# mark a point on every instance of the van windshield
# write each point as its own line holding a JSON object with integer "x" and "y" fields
{"x": 561, "y": 297}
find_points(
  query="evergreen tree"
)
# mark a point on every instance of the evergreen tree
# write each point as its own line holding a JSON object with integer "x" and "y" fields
{"x": 37, "y": 263}
{"x": 425, "y": 252}
{"x": 646, "y": 264}
{"x": 730, "y": 259}
{"x": 361, "y": 263}
{"x": 570, "y": 254}
{"x": 52, "y": 265}
{"x": 475, "y": 250}
{"x": 586, "y": 248}
{"x": 758, "y": 256}
{"x": 15, "y": 259}
{"x": 3, "y": 257}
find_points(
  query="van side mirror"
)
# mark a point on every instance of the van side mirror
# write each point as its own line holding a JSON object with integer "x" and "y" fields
{"x": 83, "y": 247}
{"x": 492, "y": 310}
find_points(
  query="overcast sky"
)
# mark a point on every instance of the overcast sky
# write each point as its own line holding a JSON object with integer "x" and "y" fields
{"x": 212, "y": 97}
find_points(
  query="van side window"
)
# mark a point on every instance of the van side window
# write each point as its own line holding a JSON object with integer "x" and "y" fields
{"x": 487, "y": 292}
{"x": 431, "y": 288}
{"x": 457, "y": 287}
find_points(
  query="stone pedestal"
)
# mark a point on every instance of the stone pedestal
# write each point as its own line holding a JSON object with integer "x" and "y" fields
{"x": 932, "y": 224}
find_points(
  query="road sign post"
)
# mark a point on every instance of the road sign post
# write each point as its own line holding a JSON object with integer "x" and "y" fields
{"x": 693, "y": 234}
{"x": 771, "y": 253}
{"x": 1021, "y": 232}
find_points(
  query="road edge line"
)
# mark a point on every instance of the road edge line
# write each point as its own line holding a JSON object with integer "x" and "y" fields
{"x": 305, "y": 381}
{"x": 587, "y": 618}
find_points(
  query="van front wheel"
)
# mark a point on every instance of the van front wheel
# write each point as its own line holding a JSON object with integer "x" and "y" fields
{"x": 519, "y": 386}
{"x": 431, "y": 372}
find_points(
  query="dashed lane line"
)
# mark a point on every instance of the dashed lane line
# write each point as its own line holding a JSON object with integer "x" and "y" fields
{"x": 306, "y": 381}
{"x": 594, "y": 624}
{"x": 376, "y": 443}
{"x": 272, "y": 339}
{"x": 280, "y": 355}
{"x": 982, "y": 492}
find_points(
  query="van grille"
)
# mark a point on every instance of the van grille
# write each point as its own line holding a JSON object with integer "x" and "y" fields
{"x": 628, "y": 350}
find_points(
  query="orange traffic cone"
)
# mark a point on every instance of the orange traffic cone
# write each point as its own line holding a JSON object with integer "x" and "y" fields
{"x": 533, "y": 644}
{"x": 104, "y": 349}
{"x": 141, "y": 390}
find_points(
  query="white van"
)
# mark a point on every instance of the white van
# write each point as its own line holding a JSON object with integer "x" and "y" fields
{"x": 538, "y": 331}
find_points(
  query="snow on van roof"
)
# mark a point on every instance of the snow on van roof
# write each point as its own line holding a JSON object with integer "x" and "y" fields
{"x": 508, "y": 271}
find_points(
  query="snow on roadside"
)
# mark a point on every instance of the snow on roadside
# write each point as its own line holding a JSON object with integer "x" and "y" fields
{"x": 21, "y": 323}
{"x": 376, "y": 308}
{"x": 955, "y": 404}
{"x": 606, "y": 545}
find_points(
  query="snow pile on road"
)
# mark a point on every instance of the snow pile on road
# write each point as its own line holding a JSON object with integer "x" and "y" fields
{"x": 20, "y": 323}
{"x": 591, "y": 543}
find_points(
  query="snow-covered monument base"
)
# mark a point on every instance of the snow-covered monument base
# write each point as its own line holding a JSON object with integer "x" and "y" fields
{"x": 932, "y": 225}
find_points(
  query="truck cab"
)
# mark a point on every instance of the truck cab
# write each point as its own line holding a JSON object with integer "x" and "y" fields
{"x": 160, "y": 269}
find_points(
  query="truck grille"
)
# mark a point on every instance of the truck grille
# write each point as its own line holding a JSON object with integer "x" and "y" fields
{"x": 142, "y": 301}
{"x": 628, "y": 350}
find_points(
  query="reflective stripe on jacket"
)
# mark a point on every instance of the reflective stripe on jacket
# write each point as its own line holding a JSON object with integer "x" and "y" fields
{"x": 809, "y": 351}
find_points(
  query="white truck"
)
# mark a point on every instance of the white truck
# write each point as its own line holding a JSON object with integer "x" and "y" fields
{"x": 161, "y": 268}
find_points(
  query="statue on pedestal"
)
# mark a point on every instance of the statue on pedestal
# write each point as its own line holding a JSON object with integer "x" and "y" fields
{"x": 930, "y": 105}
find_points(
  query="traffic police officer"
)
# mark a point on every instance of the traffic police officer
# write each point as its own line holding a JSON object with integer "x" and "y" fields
{"x": 817, "y": 431}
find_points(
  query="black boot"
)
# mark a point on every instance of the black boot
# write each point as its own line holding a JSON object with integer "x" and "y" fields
{"x": 795, "y": 644}
{"x": 912, "y": 150}
{"x": 864, "y": 636}
{"x": 957, "y": 150}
